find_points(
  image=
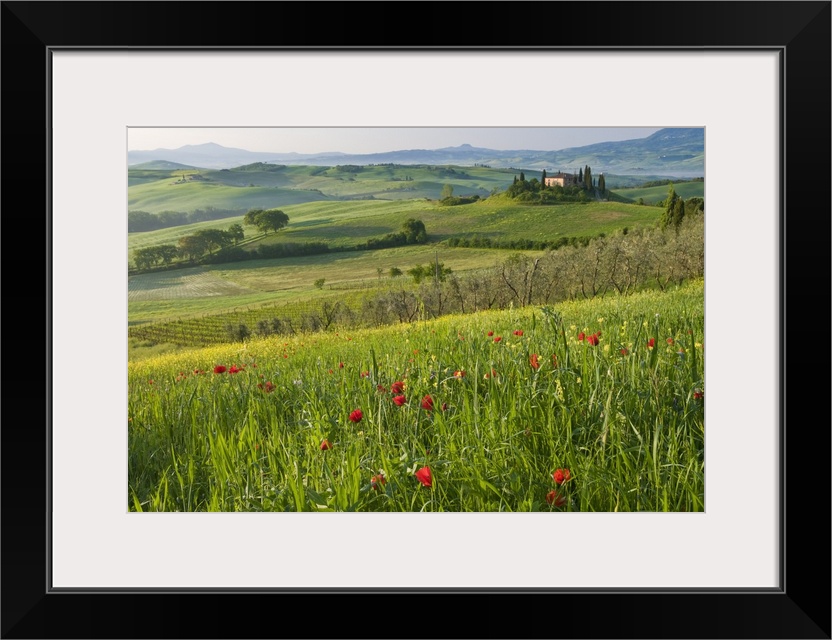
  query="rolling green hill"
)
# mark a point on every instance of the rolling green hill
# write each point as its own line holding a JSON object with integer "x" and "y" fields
{"x": 165, "y": 195}
{"x": 345, "y": 224}
{"x": 654, "y": 194}
{"x": 343, "y": 207}
{"x": 269, "y": 186}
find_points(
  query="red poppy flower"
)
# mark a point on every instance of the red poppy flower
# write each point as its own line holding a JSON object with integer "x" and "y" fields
{"x": 380, "y": 388}
{"x": 593, "y": 339}
{"x": 219, "y": 369}
{"x": 427, "y": 403}
{"x": 670, "y": 341}
{"x": 651, "y": 343}
{"x": 459, "y": 374}
{"x": 397, "y": 387}
{"x": 581, "y": 336}
{"x": 444, "y": 406}
{"x": 554, "y": 360}
{"x": 356, "y": 416}
{"x": 326, "y": 445}
{"x": 533, "y": 361}
{"x": 490, "y": 333}
{"x": 377, "y": 481}
{"x": 624, "y": 352}
{"x": 365, "y": 374}
{"x": 561, "y": 475}
{"x": 554, "y": 499}
{"x": 518, "y": 332}
{"x": 698, "y": 395}
{"x": 340, "y": 365}
{"x": 399, "y": 400}
{"x": 423, "y": 475}
{"x": 498, "y": 338}
{"x": 269, "y": 387}
{"x": 234, "y": 369}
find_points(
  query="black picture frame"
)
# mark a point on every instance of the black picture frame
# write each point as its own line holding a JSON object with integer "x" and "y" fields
{"x": 800, "y": 608}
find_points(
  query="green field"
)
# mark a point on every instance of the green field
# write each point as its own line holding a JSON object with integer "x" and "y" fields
{"x": 655, "y": 194}
{"x": 345, "y": 224}
{"x": 158, "y": 196}
{"x": 497, "y": 218}
{"x": 593, "y": 406}
{"x": 271, "y": 187}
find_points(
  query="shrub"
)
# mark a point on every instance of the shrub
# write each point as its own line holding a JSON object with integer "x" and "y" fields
{"x": 237, "y": 333}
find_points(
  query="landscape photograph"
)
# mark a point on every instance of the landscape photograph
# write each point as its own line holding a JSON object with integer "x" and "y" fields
{"x": 416, "y": 319}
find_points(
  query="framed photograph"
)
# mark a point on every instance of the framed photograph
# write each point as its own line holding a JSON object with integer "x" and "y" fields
{"x": 81, "y": 78}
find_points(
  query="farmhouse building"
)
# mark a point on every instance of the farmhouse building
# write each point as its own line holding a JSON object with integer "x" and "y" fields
{"x": 561, "y": 179}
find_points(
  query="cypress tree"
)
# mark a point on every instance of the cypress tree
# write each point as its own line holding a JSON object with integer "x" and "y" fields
{"x": 543, "y": 179}
{"x": 678, "y": 213}
{"x": 669, "y": 214}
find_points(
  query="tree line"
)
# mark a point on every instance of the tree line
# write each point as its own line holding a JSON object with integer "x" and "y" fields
{"x": 217, "y": 246}
{"x": 666, "y": 181}
{"x": 190, "y": 247}
{"x": 620, "y": 263}
{"x": 486, "y": 242}
{"x": 194, "y": 246}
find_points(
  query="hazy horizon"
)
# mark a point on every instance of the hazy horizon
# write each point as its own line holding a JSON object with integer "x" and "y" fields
{"x": 361, "y": 140}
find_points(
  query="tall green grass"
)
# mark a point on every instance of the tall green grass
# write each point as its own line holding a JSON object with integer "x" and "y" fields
{"x": 626, "y": 419}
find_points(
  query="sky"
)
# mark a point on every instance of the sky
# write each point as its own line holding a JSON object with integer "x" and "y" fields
{"x": 381, "y": 139}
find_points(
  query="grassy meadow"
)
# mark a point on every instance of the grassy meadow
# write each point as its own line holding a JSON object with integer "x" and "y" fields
{"x": 656, "y": 194}
{"x": 583, "y": 406}
{"x": 275, "y": 186}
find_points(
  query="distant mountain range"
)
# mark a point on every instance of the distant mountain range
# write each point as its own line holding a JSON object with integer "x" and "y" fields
{"x": 677, "y": 151}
